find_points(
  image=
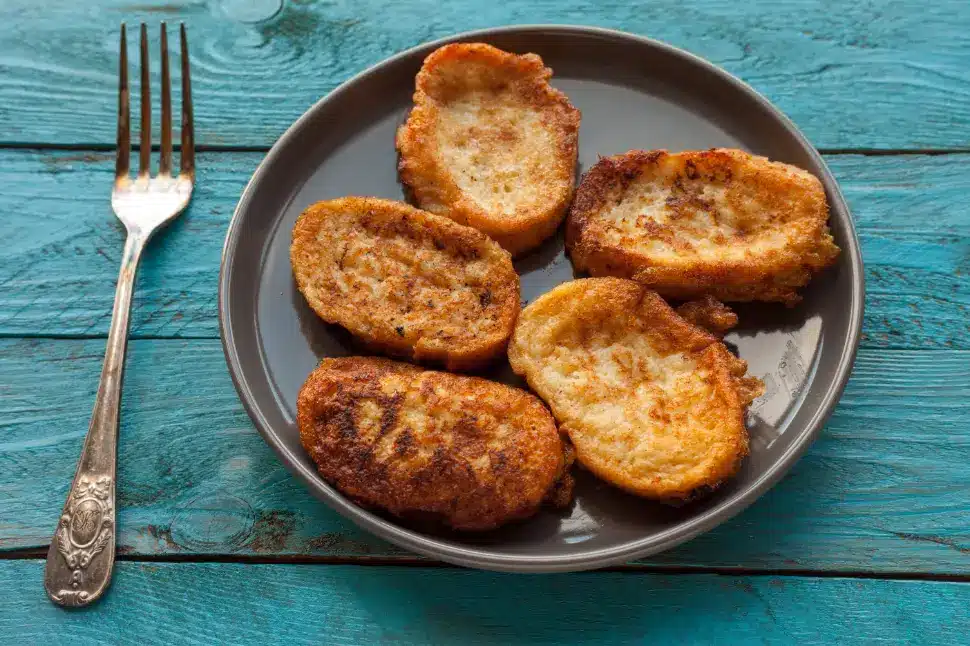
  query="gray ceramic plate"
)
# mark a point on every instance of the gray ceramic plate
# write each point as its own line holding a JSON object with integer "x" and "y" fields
{"x": 633, "y": 93}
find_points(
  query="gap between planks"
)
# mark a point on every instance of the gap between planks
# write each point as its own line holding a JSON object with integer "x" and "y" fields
{"x": 418, "y": 562}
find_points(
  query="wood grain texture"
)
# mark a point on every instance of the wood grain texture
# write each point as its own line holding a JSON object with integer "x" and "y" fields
{"x": 60, "y": 275}
{"x": 852, "y": 75}
{"x": 885, "y": 488}
{"x": 257, "y": 604}
{"x": 59, "y": 272}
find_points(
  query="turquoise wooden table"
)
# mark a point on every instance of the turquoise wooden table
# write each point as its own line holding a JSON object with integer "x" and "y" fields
{"x": 867, "y": 539}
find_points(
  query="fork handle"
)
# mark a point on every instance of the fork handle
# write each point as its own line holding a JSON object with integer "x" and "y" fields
{"x": 82, "y": 551}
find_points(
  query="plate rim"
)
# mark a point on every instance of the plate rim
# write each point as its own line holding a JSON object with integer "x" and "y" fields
{"x": 473, "y": 556}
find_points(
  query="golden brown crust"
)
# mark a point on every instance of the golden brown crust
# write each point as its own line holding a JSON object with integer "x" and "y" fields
{"x": 406, "y": 282}
{"x": 652, "y": 403}
{"x": 467, "y": 452}
{"x": 561, "y": 494}
{"x": 489, "y": 143}
{"x": 718, "y": 222}
{"x": 710, "y": 314}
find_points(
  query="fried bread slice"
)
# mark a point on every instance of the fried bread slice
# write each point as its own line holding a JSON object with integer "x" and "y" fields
{"x": 489, "y": 143}
{"x": 651, "y": 403}
{"x": 718, "y": 222}
{"x": 406, "y": 282}
{"x": 465, "y": 452}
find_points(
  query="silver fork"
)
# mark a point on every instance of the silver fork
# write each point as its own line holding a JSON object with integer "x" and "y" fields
{"x": 82, "y": 551}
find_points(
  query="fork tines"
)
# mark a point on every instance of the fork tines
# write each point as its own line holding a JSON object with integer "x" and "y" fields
{"x": 187, "y": 148}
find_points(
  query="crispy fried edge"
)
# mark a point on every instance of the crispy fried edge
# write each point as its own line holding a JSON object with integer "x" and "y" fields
{"x": 428, "y": 181}
{"x": 708, "y": 313}
{"x": 729, "y": 371}
{"x": 729, "y": 281}
{"x": 473, "y": 356}
{"x": 558, "y": 494}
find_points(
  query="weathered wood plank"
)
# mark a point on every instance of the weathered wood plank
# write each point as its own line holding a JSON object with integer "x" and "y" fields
{"x": 60, "y": 265}
{"x": 205, "y": 603}
{"x": 852, "y": 75}
{"x": 885, "y": 489}
{"x": 64, "y": 247}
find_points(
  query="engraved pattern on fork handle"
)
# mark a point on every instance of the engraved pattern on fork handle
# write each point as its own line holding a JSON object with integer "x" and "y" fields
{"x": 82, "y": 551}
